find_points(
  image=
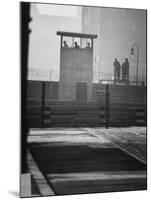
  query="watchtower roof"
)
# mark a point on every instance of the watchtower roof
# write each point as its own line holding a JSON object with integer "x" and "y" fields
{"x": 75, "y": 34}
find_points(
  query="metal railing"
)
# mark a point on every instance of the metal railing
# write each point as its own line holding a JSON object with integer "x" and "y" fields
{"x": 42, "y": 74}
{"x": 98, "y": 77}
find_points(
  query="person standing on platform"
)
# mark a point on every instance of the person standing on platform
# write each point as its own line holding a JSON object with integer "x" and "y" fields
{"x": 76, "y": 45}
{"x": 117, "y": 68}
{"x": 65, "y": 44}
{"x": 125, "y": 70}
{"x": 88, "y": 45}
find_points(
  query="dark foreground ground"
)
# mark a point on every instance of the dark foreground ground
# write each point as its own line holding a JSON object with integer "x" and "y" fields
{"x": 75, "y": 161}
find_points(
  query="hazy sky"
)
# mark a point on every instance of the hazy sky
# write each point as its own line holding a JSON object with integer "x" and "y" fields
{"x": 119, "y": 29}
{"x": 44, "y": 51}
{"x": 57, "y": 10}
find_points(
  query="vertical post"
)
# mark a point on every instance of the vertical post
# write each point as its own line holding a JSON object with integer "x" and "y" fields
{"x": 92, "y": 44}
{"x": 81, "y": 43}
{"x": 114, "y": 76}
{"x": 132, "y": 53}
{"x": 107, "y": 107}
{"x": 72, "y": 41}
{"x": 25, "y": 19}
{"x": 75, "y": 116}
{"x": 137, "y": 66}
{"x": 61, "y": 42}
{"x": 42, "y": 104}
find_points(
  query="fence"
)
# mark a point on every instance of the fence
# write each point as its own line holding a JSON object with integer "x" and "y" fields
{"x": 83, "y": 91}
{"x": 98, "y": 77}
{"x": 109, "y": 79}
{"x": 36, "y": 74}
{"x": 111, "y": 105}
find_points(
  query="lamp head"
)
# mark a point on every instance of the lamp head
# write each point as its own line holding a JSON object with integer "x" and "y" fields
{"x": 132, "y": 51}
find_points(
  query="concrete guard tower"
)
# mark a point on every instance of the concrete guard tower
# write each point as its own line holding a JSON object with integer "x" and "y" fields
{"x": 76, "y": 66}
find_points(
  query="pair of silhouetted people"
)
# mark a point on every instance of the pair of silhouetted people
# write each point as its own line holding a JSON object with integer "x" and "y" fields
{"x": 77, "y": 46}
{"x": 65, "y": 45}
{"x": 124, "y": 67}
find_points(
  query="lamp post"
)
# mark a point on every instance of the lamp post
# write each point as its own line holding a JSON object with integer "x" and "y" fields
{"x": 132, "y": 53}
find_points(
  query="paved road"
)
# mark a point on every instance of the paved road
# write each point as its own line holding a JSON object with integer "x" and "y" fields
{"x": 78, "y": 161}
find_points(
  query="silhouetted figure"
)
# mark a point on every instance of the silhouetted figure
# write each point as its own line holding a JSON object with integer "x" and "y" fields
{"x": 88, "y": 45}
{"x": 76, "y": 45}
{"x": 65, "y": 44}
{"x": 125, "y": 70}
{"x": 117, "y": 68}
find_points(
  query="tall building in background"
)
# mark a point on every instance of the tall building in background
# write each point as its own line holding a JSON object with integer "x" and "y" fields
{"x": 91, "y": 24}
{"x": 117, "y": 30}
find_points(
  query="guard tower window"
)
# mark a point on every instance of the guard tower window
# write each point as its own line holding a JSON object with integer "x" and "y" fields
{"x": 66, "y": 42}
{"x": 76, "y": 40}
{"x": 88, "y": 43}
{"x": 77, "y": 43}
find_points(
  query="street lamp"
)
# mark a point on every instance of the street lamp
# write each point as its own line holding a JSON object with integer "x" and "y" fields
{"x": 132, "y": 53}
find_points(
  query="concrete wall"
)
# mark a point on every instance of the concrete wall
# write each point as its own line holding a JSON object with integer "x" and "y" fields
{"x": 122, "y": 94}
{"x": 67, "y": 92}
{"x": 75, "y": 67}
{"x": 118, "y": 94}
{"x": 34, "y": 90}
{"x": 127, "y": 105}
